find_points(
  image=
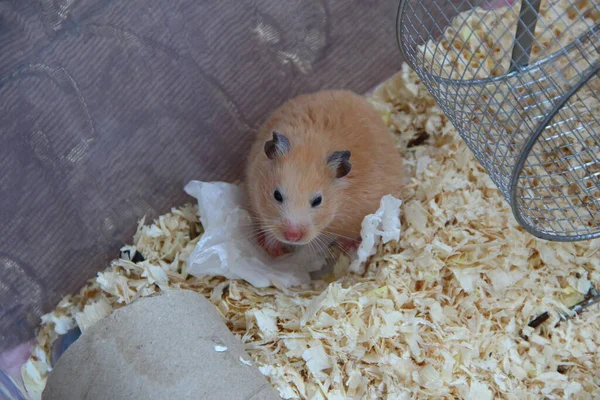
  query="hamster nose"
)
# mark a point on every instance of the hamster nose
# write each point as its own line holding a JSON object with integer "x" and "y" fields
{"x": 293, "y": 233}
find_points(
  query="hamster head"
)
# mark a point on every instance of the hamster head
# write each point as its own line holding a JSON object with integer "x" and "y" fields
{"x": 299, "y": 189}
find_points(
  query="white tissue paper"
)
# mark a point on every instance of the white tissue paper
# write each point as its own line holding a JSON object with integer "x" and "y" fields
{"x": 384, "y": 224}
{"x": 226, "y": 249}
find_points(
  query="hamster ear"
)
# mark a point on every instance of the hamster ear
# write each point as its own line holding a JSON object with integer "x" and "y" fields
{"x": 339, "y": 161}
{"x": 277, "y": 146}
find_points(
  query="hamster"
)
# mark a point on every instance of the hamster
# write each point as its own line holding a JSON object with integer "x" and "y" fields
{"x": 319, "y": 164}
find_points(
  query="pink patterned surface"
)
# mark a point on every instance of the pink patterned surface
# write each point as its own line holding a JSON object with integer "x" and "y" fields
{"x": 12, "y": 360}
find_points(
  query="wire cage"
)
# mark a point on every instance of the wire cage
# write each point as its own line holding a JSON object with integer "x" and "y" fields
{"x": 520, "y": 81}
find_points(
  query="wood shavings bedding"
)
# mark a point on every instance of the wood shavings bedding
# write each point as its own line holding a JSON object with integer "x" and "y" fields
{"x": 478, "y": 42}
{"x": 436, "y": 315}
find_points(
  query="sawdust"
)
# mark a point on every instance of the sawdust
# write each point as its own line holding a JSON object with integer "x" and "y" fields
{"x": 478, "y": 42}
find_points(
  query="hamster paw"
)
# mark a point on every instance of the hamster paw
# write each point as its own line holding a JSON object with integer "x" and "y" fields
{"x": 274, "y": 249}
{"x": 277, "y": 251}
{"x": 349, "y": 244}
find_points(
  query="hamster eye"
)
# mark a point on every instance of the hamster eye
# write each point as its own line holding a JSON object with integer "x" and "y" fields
{"x": 316, "y": 201}
{"x": 278, "y": 196}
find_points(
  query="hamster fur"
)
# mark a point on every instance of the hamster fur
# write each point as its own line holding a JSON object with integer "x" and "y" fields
{"x": 318, "y": 166}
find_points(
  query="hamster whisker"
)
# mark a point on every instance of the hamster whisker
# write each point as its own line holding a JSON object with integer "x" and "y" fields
{"x": 253, "y": 236}
{"x": 338, "y": 235}
{"x": 325, "y": 246}
{"x": 311, "y": 247}
{"x": 255, "y": 214}
{"x": 321, "y": 250}
{"x": 336, "y": 243}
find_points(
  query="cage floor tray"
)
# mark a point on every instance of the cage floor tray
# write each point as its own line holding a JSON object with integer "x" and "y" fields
{"x": 441, "y": 314}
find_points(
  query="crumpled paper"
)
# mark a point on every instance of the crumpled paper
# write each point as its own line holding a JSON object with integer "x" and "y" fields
{"x": 226, "y": 247}
{"x": 384, "y": 224}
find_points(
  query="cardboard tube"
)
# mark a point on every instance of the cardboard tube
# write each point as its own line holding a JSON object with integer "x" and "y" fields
{"x": 169, "y": 346}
